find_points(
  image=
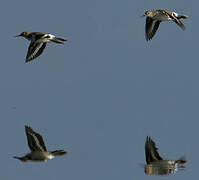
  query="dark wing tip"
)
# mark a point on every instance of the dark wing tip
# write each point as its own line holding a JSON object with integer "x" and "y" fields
{"x": 28, "y": 60}
{"x": 183, "y": 27}
{"x": 148, "y": 138}
{"x": 28, "y": 128}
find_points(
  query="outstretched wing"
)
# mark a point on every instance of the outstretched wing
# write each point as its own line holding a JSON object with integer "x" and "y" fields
{"x": 151, "y": 27}
{"x": 179, "y": 23}
{"x": 175, "y": 17}
{"x": 35, "y": 140}
{"x": 151, "y": 151}
{"x": 35, "y": 50}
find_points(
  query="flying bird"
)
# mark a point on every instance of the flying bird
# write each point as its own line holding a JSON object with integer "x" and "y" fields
{"x": 155, "y": 17}
{"x": 156, "y": 164}
{"x": 38, "y": 149}
{"x": 152, "y": 154}
{"x": 38, "y": 43}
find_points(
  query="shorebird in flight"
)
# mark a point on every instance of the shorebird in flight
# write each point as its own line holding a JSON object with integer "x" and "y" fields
{"x": 156, "y": 164}
{"x": 155, "y": 17}
{"x": 38, "y": 43}
{"x": 153, "y": 157}
{"x": 38, "y": 149}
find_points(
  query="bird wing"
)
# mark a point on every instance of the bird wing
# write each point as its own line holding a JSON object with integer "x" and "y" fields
{"x": 34, "y": 50}
{"x": 151, "y": 27}
{"x": 35, "y": 140}
{"x": 173, "y": 16}
{"x": 151, "y": 151}
{"x": 178, "y": 22}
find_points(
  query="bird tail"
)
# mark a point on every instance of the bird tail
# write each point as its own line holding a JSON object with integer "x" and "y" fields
{"x": 181, "y": 160}
{"x": 16, "y": 157}
{"x": 182, "y": 17}
{"x": 58, "y": 153}
{"x": 59, "y": 40}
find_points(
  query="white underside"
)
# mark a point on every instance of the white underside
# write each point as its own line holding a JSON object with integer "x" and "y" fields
{"x": 46, "y": 38}
{"x": 41, "y": 156}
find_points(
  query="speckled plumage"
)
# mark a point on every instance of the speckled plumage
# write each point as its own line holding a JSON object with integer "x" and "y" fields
{"x": 155, "y": 17}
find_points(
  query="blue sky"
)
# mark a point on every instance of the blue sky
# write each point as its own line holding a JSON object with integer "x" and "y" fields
{"x": 101, "y": 93}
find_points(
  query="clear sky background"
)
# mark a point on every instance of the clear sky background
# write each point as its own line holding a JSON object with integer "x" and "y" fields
{"x": 101, "y": 93}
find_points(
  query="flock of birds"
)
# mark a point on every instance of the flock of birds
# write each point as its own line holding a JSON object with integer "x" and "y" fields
{"x": 39, "y": 40}
{"x": 155, "y": 163}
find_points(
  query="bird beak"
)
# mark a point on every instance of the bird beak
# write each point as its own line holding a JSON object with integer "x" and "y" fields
{"x": 18, "y": 35}
{"x": 143, "y": 15}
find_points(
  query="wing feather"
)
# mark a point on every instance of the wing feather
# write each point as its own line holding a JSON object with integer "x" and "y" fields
{"x": 35, "y": 140}
{"x": 151, "y": 27}
{"x": 35, "y": 50}
{"x": 151, "y": 151}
